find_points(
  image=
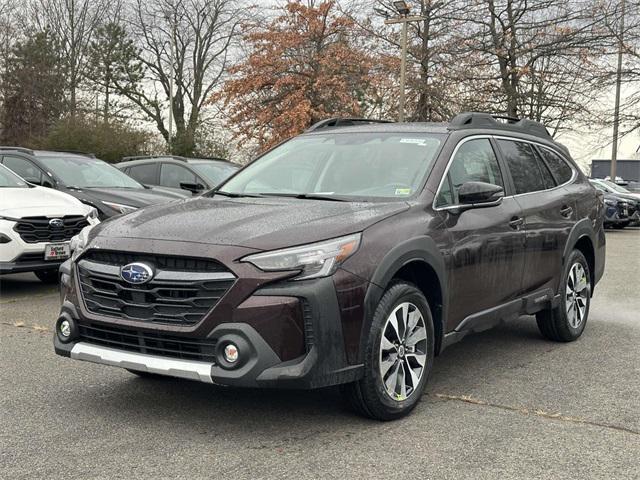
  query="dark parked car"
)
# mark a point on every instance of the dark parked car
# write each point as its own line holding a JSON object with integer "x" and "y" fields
{"x": 87, "y": 178}
{"x": 351, "y": 254}
{"x": 192, "y": 174}
{"x": 621, "y": 209}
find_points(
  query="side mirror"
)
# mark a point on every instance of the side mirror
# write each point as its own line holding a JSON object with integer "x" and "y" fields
{"x": 479, "y": 194}
{"x": 192, "y": 187}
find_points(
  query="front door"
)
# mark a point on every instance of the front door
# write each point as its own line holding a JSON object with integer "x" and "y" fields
{"x": 487, "y": 244}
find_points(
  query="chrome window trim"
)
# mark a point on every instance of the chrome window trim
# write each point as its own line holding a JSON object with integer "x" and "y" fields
{"x": 574, "y": 173}
{"x": 446, "y": 170}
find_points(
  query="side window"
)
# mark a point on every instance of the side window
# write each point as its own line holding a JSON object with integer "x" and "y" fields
{"x": 523, "y": 165}
{"x": 547, "y": 177}
{"x": 171, "y": 175}
{"x": 24, "y": 168}
{"x": 561, "y": 171}
{"x": 475, "y": 161}
{"x": 144, "y": 173}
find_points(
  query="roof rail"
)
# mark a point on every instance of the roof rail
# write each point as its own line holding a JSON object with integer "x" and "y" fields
{"x": 16, "y": 149}
{"x": 149, "y": 157}
{"x": 487, "y": 120}
{"x": 343, "y": 122}
{"x": 75, "y": 152}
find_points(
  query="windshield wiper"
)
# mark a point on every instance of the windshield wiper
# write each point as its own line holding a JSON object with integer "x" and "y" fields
{"x": 232, "y": 194}
{"x": 307, "y": 196}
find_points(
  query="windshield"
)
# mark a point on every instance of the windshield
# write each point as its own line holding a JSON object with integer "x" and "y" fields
{"x": 364, "y": 165}
{"x": 8, "y": 179}
{"x": 88, "y": 173}
{"x": 616, "y": 187}
{"x": 214, "y": 172}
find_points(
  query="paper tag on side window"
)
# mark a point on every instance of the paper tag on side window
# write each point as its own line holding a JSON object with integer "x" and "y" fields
{"x": 403, "y": 191}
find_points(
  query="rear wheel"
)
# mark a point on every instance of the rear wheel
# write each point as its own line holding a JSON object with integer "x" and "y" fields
{"x": 47, "y": 276}
{"x": 567, "y": 322}
{"x": 398, "y": 356}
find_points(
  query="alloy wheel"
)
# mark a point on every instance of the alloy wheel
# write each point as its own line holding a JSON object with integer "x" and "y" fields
{"x": 577, "y": 295}
{"x": 403, "y": 351}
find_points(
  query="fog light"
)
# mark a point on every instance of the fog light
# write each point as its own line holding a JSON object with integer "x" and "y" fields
{"x": 231, "y": 353}
{"x": 65, "y": 328}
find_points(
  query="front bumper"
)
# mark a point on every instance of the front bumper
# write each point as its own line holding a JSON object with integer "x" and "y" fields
{"x": 323, "y": 363}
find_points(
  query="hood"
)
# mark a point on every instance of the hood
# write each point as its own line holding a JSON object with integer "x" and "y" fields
{"x": 619, "y": 197}
{"x": 258, "y": 223}
{"x": 39, "y": 201}
{"x": 631, "y": 197}
{"x": 135, "y": 197}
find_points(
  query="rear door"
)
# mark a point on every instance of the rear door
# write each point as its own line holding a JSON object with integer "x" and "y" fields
{"x": 549, "y": 213}
{"x": 487, "y": 250}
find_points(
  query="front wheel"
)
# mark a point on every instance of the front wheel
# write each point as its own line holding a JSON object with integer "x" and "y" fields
{"x": 398, "y": 356}
{"x": 566, "y": 322}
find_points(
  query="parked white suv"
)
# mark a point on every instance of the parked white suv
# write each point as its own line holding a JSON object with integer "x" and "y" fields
{"x": 36, "y": 225}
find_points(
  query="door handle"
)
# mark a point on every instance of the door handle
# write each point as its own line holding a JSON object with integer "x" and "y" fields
{"x": 566, "y": 211}
{"x": 516, "y": 222}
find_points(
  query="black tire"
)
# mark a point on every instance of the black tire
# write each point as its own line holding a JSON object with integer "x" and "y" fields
{"x": 620, "y": 226}
{"x": 559, "y": 324}
{"x": 141, "y": 374}
{"x": 47, "y": 276}
{"x": 369, "y": 396}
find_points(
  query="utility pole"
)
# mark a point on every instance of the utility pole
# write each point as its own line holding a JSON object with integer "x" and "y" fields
{"x": 616, "y": 110}
{"x": 172, "y": 20}
{"x": 403, "y": 10}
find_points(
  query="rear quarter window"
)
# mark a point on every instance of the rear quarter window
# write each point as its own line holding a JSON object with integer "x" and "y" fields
{"x": 561, "y": 171}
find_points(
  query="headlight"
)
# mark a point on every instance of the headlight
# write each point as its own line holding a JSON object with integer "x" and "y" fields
{"x": 79, "y": 242}
{"x": 611, "y": 203}
{"x": 120, "y": 208}
{"x": 315, "y": 260}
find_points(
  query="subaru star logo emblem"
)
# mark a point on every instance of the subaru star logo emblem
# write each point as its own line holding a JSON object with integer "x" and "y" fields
{"x": 56, "y": 223}
{"x": 136, "y": 273}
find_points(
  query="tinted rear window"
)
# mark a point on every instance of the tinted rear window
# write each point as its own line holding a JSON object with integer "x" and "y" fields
{"x": 144, "y": 173}
{"x": 523, "y": 165}
{"x": 562, "y": 172}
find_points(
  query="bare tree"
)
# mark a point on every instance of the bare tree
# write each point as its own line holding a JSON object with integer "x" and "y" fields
{"x": 72, "y": 22}
{"x": 184, "y": 47}
{"x": 544, "y": 54}
{"x": 439, "y": 83}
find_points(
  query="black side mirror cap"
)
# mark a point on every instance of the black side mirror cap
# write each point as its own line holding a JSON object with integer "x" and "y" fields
{"x": 192, "y": 187}
{"x": 479, "y": 194}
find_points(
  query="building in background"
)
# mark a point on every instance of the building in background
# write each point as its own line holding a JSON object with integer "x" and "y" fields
{"x": 628, "y": 169}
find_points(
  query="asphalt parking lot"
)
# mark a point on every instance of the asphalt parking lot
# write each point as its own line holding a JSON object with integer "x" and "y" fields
{"x": 502, "y": 404}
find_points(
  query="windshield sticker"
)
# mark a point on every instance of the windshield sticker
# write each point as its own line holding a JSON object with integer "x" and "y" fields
{"x": 415, "y": 141}
{"x": 403, "y": 191}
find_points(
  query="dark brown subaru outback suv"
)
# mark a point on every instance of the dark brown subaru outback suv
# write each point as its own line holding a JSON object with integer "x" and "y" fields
{"x": 349, "y": 255}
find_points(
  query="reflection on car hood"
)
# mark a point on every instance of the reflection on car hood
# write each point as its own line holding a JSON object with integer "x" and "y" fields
{"x": 136, "y": 197}
{"x": 259, "y": 223}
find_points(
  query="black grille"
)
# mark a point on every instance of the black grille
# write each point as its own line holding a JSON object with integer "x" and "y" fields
{"x": 170, "y": 298}
{"x": 149, "y": 343}
{"x": 31, "y": 257}
{"x": 38, "y": 229}
{"x": 161, "y": 262}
